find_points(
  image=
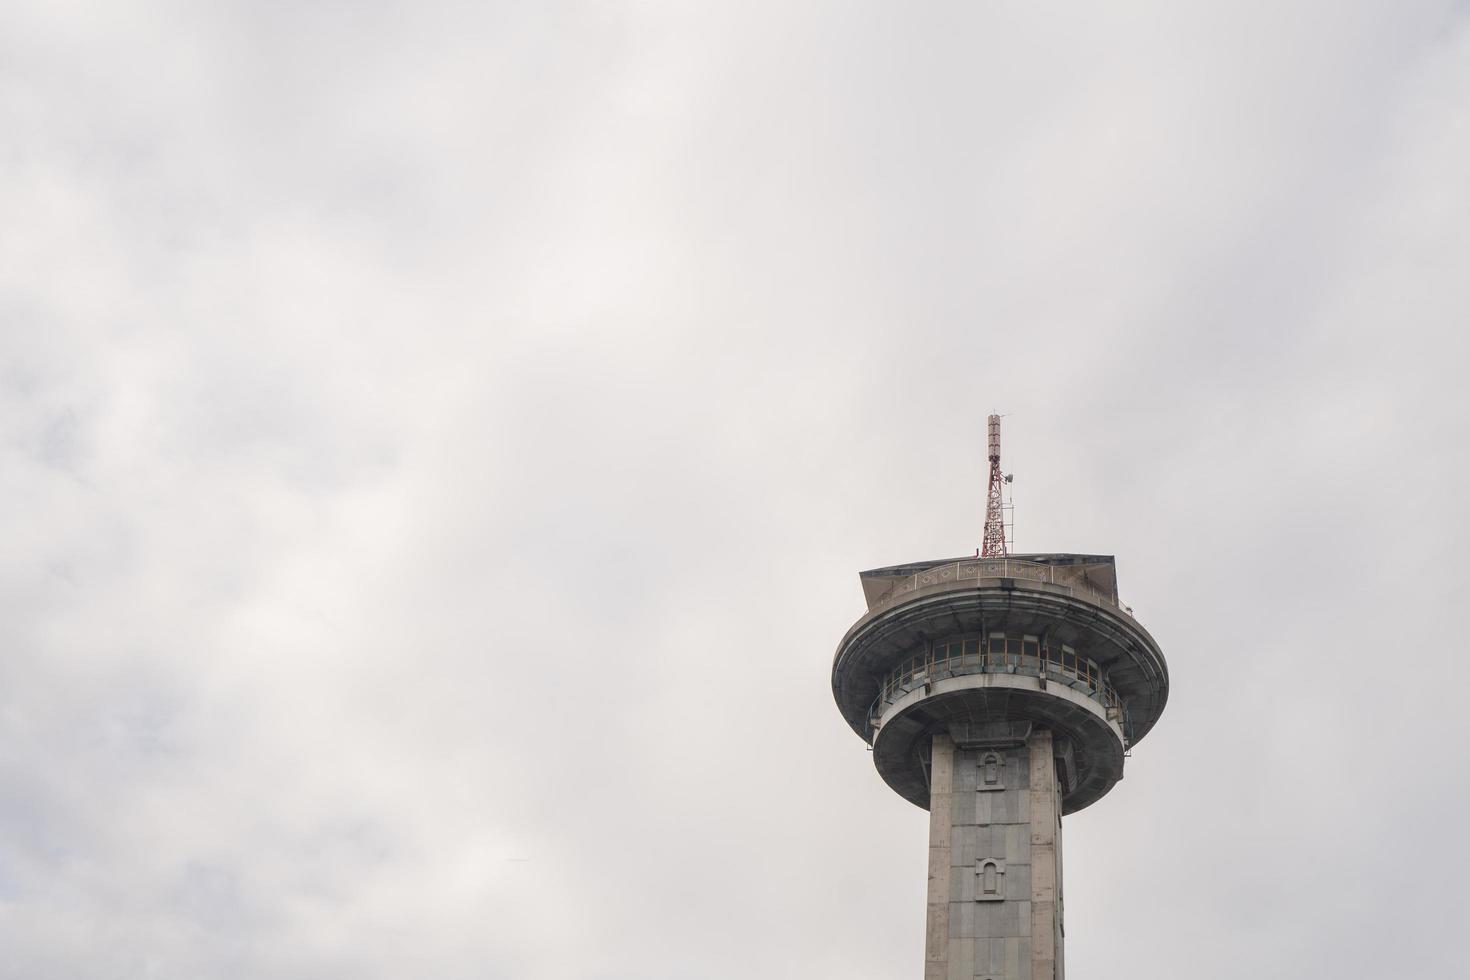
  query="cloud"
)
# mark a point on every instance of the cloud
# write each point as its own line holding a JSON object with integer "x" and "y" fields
{"x": 440, "y": 440}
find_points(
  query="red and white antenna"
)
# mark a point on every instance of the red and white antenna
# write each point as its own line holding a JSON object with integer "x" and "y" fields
{"x": 994, "y": 543}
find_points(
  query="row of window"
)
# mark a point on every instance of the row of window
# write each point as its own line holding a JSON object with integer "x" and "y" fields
{"x": 997, "y": 651}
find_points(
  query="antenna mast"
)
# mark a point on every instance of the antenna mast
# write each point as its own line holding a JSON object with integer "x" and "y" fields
{"x": 994, "y": 544}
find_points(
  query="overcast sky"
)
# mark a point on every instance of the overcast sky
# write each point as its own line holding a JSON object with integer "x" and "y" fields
{"x": 440, "y": 441}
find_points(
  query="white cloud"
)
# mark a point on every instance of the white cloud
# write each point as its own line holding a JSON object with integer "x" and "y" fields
{"x": 439, "y": 441}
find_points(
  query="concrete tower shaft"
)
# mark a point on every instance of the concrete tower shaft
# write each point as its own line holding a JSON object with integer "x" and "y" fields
{"x": 1000, "y": 694}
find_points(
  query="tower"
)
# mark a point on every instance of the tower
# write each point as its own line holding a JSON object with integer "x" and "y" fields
{"x": 999, "y": 693}
{"x": 994, "y": 543}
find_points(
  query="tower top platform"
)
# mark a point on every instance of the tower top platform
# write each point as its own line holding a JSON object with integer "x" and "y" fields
{"x": 964, "y": 644}
{"x": 1097, "y": 573}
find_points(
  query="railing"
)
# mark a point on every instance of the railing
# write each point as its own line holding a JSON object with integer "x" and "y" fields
{"x": 978, "y": 568}
{"x": 960, "y": 659}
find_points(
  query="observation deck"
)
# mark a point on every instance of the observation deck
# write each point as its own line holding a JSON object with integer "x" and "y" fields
{"x": 962, "y": 646}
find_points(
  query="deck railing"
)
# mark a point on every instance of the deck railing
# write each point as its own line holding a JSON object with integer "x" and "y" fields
{"x": 978, "y": 568}
{"x": 1081, "y": 674}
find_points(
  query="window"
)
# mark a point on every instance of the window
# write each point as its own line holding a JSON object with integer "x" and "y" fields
{"x": 992, "y": 772}
{"x": 996, "y": 652}
{"x": 988, "y": 880}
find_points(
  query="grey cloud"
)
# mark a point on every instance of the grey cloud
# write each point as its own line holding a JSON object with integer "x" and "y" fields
{"x": 440, "y": 441}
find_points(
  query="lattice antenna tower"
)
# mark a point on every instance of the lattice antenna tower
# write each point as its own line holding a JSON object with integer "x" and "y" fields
{"x": 994, "y": 542}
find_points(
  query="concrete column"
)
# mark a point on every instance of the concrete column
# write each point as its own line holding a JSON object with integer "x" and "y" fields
{"x": 979, "y": 903}
{"x": 941, "y": 796}
{"x": 1046, "y": 834}
{"x": 994, "y": 901}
